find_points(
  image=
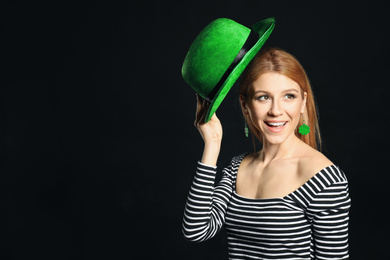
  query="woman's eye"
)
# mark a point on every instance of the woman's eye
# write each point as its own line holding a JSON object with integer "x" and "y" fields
{"x": 263, "y": 98}
{"x": 290, "y": 96}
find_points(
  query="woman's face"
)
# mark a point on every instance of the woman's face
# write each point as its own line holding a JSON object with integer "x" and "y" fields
{"x": 275, "y": 104}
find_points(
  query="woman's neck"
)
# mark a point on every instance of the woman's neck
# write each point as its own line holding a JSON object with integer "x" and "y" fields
{"x": 272, "y": 152}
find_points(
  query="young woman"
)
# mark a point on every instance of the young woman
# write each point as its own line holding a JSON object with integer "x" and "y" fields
{"x": 286, "y": 201}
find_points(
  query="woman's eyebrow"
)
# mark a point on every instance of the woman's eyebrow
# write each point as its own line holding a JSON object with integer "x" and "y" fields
{"x": 290, "y": 90}
{"x": 284, "y": 91}
{"x": 261, "y": 91}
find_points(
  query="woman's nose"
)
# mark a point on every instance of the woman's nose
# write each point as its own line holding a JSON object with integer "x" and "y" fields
{"x": 275, "y": 109}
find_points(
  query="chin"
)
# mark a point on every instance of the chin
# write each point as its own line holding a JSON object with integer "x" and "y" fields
{"x": 275, "y": 140}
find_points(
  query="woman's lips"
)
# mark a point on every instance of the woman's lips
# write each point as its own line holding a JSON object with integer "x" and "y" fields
{"x": 275, "y": 126}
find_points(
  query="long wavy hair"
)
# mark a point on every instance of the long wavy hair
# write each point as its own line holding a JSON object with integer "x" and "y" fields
{"x": 279, "y": 61}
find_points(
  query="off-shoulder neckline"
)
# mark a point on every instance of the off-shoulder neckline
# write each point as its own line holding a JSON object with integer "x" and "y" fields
{"x": 275, "y": 198}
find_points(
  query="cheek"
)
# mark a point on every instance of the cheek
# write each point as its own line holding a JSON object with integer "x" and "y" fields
{"x": 256, "y": 115}
{"x": 294, "y": 112}
{"x": 257, "y": 112}
{"x": 293, "y": 107}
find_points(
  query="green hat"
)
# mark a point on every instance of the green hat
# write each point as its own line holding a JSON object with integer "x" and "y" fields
{"x": 219, "y": 55}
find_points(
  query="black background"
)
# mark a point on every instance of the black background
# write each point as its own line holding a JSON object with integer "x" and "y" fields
{"x": 101, "y": 148}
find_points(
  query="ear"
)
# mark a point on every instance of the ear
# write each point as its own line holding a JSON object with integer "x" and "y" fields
{"x": 304, "y": 102}
{"x": 244, "y": 105}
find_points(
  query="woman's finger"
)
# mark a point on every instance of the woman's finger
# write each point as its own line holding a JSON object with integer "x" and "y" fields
{"x": 201, "y": 110}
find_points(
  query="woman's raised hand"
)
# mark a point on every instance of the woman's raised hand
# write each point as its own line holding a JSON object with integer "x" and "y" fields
{"x": 211, "y": 132}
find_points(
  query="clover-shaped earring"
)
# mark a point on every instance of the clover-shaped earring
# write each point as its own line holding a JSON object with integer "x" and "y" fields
{"x": 304, "y": 129}
{"x": 246, "y": 130}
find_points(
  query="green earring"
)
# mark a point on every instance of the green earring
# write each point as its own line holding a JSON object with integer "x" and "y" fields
{"x": 246, "y": 130}
{"x": 304, "y": 129}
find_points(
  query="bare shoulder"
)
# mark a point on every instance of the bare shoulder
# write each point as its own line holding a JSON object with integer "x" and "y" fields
{"x": 312, "y": 162}
{"x": 248, "y": 159}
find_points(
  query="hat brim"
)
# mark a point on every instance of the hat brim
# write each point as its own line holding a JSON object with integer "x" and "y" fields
{"x": 264, "y": 28}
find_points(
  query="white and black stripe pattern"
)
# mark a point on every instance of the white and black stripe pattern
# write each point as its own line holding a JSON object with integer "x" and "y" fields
{"x": 309, "y": 223}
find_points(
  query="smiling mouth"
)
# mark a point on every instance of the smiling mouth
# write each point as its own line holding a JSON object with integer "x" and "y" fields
{"x": 276, "y": 124}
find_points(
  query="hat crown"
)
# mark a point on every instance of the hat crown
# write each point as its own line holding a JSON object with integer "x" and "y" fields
{"x": 211, "y": 54}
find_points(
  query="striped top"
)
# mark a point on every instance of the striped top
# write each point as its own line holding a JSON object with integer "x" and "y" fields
{"x": 309, "y": 223}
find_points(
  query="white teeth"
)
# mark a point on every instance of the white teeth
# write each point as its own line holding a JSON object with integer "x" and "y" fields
{"x": 276, "y": 124}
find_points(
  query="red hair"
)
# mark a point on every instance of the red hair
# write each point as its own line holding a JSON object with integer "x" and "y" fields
{"x": 279, "y": 61}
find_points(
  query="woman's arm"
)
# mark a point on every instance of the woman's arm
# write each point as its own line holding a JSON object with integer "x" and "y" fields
{"x": 211, "y": 132}
{"x": 330, "y": 210}
{"x": 206, "y": 205}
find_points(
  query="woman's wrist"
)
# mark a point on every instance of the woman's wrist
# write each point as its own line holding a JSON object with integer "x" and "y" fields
{"x": 211, "y": 153}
